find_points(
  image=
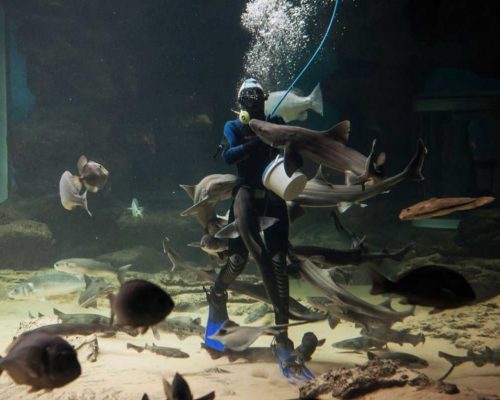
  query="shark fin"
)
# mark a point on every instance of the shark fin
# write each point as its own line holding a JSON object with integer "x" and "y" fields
{"x": 333, "y": 321}
{"x": 370, "y": 355}
{"x": 379, "y": 282}
{"x": 194, "y": 208}
{"x": 122, "y": 271}
{"x": 30, "y": 315}
{"x": 189, "y": 189}
{"x": 194, "y": 244}
{"x": 316, "y": 99}
{"x": 81, "y": 163}
{"x": 88, "y": 281}
{"x": 293, "y": 160}
{"x": 380, "y": 160}
{"x": 266, "y": 222}
{"x": 57, "y": 312}
{"x": 145, "y": 396}
{"x": 295, "y": 210}
{"x": 321, "y": 342}
{"x": 339, "y": 132}
{"x": 196, "y": 321}
{"x": 228, "y": 232}
{"x": 40, "y": 315}
{"x": 208, "y": 396}
{"x": 387, "y": 304}
{"x": 414, "y": 168}
{"x": 343, "y": 206}
{"x": 167, "y": 389}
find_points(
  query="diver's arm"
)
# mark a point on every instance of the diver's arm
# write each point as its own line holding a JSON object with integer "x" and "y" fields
{"x": 236, "y": 152}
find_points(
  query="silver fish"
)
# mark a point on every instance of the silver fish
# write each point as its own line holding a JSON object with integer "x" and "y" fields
{"x": 321, "y": 193}
{"x": 91, "y": 267}
{"x": 326, "y": 148}
{"x": 93, "y": 175}
{"x": 294, "y": 107}
{"x": 359, "y": 343}
{"x": 47, "y": 284}
{"x": 69, "y": 192}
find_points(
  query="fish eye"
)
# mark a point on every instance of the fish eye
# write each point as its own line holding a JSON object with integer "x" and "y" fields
{"x": 222, "y": 331}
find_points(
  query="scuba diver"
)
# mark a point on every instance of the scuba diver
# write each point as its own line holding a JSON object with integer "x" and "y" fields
{"x": 251, "y": 156}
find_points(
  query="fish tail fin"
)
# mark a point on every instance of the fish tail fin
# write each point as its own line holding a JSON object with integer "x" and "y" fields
{"x": 85, "y": 202}
{"x": 414, "y": 168}
{"x": 316, "y": 99}
{"x": 122, "y": 271}
{"x": 380, "y": 284}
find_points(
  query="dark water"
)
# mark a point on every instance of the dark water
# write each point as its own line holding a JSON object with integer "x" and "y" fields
{"x": 144, "y": 88}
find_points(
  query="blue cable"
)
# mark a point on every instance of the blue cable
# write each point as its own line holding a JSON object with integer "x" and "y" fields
{"x": 310, "y": 61}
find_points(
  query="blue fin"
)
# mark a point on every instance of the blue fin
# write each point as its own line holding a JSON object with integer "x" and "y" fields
{"x": 210, "y": 329}
{"x": 292, "y": 375}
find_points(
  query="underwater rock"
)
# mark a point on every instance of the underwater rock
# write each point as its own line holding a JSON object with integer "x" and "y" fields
{"x": 478, "y": 232}
{"x": 256, "y": 313}
{"x": 25, "y": 244}
{"x": 349, "y": 383}
{"x": 142, "y": 258}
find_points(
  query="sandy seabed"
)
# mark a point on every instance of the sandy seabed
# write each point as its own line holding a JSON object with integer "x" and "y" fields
{"x": 125, "y": 374}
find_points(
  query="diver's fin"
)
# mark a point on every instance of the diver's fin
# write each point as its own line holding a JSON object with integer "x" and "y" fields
{"x": 339, "y": 132}
{"x": 189, "y": 189}
{"x": 293, "y": 160}
{"x": 194, "y": 208}
{"x": 316, "y": 99}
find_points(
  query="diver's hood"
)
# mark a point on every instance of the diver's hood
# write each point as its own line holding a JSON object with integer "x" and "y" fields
{"x": 250, "y": 83}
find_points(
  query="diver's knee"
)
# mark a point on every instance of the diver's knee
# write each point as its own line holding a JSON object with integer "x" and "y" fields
{"x": 238, "y": 260}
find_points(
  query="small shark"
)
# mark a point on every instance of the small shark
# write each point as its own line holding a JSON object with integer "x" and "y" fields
{"x": 393, "y": 336}
{"x": 405, "y": 359}
{"x": 240, "y": 338}
{"x": 256, "y": 291}
{"x": 318, "y": 192}
{"x": 160, "y": 350}
{"x": 438, "y": 207}
{"x": 205, "y": 195}
{"x": 83, "y": 318}
{"x": 294, "y": 107}
{"x": 135, "y": 209}
{"x": 486, "y": 356}
{"x": 359, "y": 343}
{"x": 345, "y": 305}
{"x": 326, "y": 148}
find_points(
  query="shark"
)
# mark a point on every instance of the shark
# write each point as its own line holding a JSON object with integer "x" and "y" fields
{"x": 319, "y": 192}
{"x": 328, "y": 148}
{"x": 205, "y": 195}
{"x": 296, "y": 310}
{"x": 348, "y": 307}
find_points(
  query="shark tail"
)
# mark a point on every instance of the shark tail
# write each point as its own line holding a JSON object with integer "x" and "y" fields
{"x": 316, "y": 99}
{"x": 380, "y": 284}
{"x": 370, "y": 170}
{"x": 414, "y": 168}
{"x": 370, "y": 355}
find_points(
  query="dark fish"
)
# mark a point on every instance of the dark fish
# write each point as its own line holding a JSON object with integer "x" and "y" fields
{"x": 69, "y": 192}
{"x": 179, "y": 390}
{"x": 431, "y": 285}
{"x": 307, "y": 347}
{"x": 404, "y": 359}
{"x": 93, "y": 289}
{"x": 160, "y": 350}
{"x": 140, "y": 304}
{"x": 319, "y": 192}
{"x": 437, "y": 207}
{"x": 41, "y": 360}
{"x": 360, "y": 343}
{"x": 93, "y": 175}
{"x": 326, "y": 148}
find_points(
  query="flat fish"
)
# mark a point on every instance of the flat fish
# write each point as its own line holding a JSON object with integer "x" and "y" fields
{"x": 436, "y": 207}
{"x": 93, "y": 175}
{"x": 69, "y": 192}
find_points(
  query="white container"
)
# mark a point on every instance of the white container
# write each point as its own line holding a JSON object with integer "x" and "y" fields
{"x": 275, "y": 179}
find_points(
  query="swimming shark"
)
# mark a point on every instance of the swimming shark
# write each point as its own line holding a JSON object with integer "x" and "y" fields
{"x": 257, "y": 291}
{"x": 348, "y": 307}
{"x": 328, "y": 148}
{"x": 319, "y": 192}
{"x": 205, "y": 195}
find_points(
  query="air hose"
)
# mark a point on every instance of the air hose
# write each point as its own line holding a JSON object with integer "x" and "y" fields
{"x": 327, "y": 32}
